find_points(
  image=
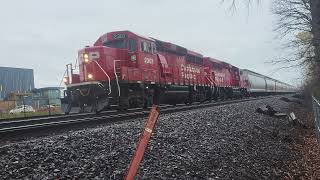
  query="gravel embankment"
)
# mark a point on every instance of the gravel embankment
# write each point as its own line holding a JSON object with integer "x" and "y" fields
{"x": 231, "y": 141}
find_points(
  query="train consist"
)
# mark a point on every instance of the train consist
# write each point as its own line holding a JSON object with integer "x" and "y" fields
{"x": 126, "y": 70}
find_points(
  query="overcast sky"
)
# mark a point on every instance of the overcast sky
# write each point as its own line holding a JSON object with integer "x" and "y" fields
{"x": 46, "y": 35}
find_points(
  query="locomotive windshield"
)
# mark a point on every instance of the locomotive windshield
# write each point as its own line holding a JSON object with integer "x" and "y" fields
{"x": 119, "y": 43}
{"x": 122, "y": 44}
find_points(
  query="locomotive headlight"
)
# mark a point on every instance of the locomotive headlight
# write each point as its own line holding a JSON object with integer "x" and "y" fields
{"x": 90, "y": 76}
{"x": 65, "y": 80}
{"x": 86, "y": 58}
{"x": 133, "y": 57}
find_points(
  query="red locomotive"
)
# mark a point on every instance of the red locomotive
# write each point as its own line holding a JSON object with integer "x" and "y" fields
{"x": 129, "y": 70}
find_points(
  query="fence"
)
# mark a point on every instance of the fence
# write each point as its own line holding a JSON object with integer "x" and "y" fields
{"x": 316, "y": 110}
{"x": 28, "y": 107}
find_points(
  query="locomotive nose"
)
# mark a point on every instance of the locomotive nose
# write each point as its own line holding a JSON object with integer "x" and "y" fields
{"x": 86, "y": 58}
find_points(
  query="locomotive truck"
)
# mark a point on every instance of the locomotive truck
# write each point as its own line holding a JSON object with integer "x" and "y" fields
{"x": 126, "y": 70}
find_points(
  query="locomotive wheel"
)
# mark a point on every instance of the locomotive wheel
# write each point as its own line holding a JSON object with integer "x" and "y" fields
{"x": 138, "y": 101}
{"x": 148, "y": 101}
{"x": 158, "y": 95}
{"x": 135, "y": 102}
{"x": 202, "y": 96}
{"x": 188, "y": 101}
{"x": 94, "y": 107}
{"x": 223, "y": 95}
{"x": 122, "y": 109}
{"x": 123, "y": 104}
{"x": 81, "y": 110}
{"x": 69, "y": 106}
{"x": 146, "y": 104}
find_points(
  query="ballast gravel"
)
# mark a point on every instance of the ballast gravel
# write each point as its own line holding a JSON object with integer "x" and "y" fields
{"x": 224, "y": 142}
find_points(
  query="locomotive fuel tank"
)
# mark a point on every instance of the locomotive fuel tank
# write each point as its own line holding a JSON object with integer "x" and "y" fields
{"x": 174, "y": 94}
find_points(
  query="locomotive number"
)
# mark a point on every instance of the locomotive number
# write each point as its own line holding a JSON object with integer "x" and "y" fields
{"x": 119, "y": 36}
{"x": 148, "y": 60}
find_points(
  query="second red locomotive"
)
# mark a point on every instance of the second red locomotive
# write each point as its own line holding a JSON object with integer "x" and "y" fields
{"x": 129, "y": 70}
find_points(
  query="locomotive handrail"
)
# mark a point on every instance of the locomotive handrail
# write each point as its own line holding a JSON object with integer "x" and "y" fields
{"x": 106, "y": 75}
{"x": 69, "y": 74}
{"x": 115, "y": 74}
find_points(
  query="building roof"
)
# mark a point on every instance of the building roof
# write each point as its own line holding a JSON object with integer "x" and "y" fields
{"x": 15, "y": 68}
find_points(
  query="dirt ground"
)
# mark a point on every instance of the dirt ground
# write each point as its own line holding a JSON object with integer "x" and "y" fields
{"x": 305, "y": 144}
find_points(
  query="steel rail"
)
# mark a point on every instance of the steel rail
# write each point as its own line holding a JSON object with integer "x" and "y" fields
{"x": 64, "y": 117}
{"x": 34, "y": 124}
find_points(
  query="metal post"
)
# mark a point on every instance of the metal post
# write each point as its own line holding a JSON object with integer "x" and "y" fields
{"x": 8, "y": 109}
{"x": 49, "y": 106}
{"x": 24, "y": 106}
{"x": 143, "y": 142}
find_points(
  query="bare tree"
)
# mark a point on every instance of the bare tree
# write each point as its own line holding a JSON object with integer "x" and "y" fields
{"x": 294, "y": 19}
{"x": 233, "y": 3}
{"x": 301, "y": 19}
{"x": 315, "y": 11}
{"x": 294, "y": 16}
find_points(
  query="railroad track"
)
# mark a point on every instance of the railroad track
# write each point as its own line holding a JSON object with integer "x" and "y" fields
{"x": 28, "y": 125}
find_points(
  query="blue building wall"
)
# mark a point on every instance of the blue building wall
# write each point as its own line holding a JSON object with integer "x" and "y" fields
{"x": 15, "y": 80}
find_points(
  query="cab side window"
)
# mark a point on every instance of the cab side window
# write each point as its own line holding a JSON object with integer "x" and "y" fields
{"x": 154, "y": 50}
{"x": 146, "y": 47}
{"x": 132, "y": 45}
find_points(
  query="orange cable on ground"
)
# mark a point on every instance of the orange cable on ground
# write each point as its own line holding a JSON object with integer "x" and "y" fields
{"x": 143, "y": 142}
